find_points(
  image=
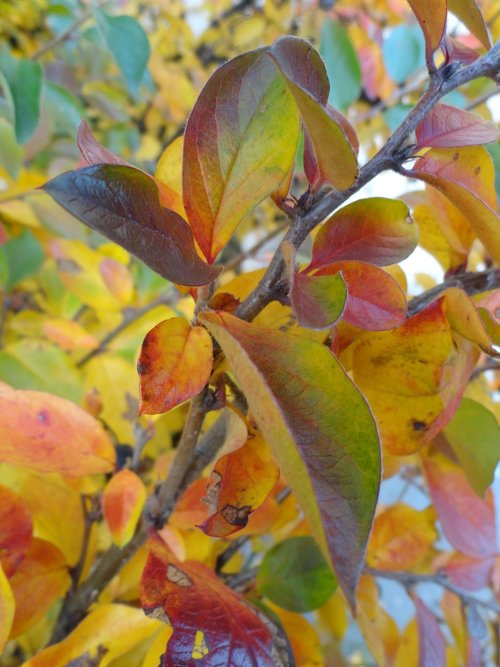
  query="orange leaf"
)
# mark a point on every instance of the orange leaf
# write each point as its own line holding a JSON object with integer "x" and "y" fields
{"x": 41, "y": 579}
{"x": 52, "y": 434}
{"x": 402, "y": 536}
{"x": 122, "y": 504}
{"x": 210, "y": 621}
{"x": 16, "y": 529}
{"x": 431, "y": 14}
{"x": 467, "y": 177}
{"x": 240, "y": 483}
{"x": 175, "y": 363}
{"x": 469, "y": 13}
{"x": 378, "y": 628}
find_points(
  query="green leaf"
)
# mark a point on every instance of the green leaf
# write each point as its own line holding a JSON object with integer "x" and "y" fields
{"x": 474, "y": 436}
{"x": 36, "y": 364}
{"x": 404, "y": 52}
{"x": 295, "y": 575}
{"x": 128, "y": 44}
{"x": 65, "y": 109}
{"x": 342, "y": 64}
{"x": 320, "y": 430}
{"x": 23, "y": 257}
{"x": 11, "y": 154}
{"x": 22, "y": 79}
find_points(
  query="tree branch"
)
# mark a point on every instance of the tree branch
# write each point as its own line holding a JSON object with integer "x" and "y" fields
{"x": 390, "y": 156}
{"x": 408, "y": 580}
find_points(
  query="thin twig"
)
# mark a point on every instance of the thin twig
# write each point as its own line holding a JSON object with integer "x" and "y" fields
{"x": 236, "y": 261}
{"x": 130, "y": 316}
{"x": 489, "y": 365}
{"x": 408, "y": 580}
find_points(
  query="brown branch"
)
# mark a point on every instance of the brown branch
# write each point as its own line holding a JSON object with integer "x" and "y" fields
{"x": 130, "y": 316}
{"x": 236, "y": 261}
{"x": 389, "y": 157}
{"x": 408, "y": 580}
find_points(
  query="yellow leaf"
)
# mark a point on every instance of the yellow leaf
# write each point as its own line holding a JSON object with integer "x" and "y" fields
{"x": 7, "y": 607}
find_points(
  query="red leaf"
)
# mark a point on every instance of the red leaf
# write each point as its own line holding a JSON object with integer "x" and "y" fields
{"x": 123, "y": 204}
{"x": 16, "y": 528}
{"x": 445, "y": 126}
{"x": 431, "y": 642}
{"x": 210, "y": 621}
{"x": 458, "y": 52}
{"x": 92, "y": 151}
{"x": 376, "y": 230}
{"x": 375, "y": 301}
{"x": 468, "y": 573}
{"x": 468, "y": 522}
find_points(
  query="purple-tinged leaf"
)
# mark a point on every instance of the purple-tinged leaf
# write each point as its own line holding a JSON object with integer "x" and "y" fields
{"x": 123, "y": 204}
{"x": 446, "y": 127}
{"x": 431, "y": 642}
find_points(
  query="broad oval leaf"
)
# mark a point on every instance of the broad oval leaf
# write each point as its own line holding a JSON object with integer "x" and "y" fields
{"x": 468, "y": 522}
{"x": 123, "y": 204}
{"x": 122, "y": 503}
{"x": 239, "y": 144}
{"x": 295, "y": 575}
{"x": 467, "y": 177}
{"x": 474, "y": 436}
{"x": 210, "y": 621}
{"x": 239, "y": 483}
{"x": 305, "y": 75}
{"x": 174, "y": 364}
{"x": 445, "y": 126}
{"x": 51, "y": 434}
{"x": 16, "y": 529}
{"x": 431, "y": 14}
{"x": 320, "y": 430}
{"x": 375, "y": 301}
{"x": 469, "y": 12}
{"x": 376, "y": 230}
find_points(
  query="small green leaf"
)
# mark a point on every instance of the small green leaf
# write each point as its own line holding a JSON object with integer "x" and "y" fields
{"x": 342, "y": 64}
{"x": 23, "y": 257}
{"x": 295, "y": 575}
{"x": 403, "y": 52}
{"x": 22, "y": 81}
{"x": 128, "y": 44}
{"x": 64, "y": 109}
{"x": 474, "y": 436}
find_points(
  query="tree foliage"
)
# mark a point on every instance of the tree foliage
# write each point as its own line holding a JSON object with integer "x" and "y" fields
{"x": 228, "y": 414}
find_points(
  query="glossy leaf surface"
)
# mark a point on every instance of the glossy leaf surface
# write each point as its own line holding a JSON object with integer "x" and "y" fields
{"x": 239, "y": 144}
{"x": 466, "y": 177}
{"x": 174, "y": 364}
{"x": 468, "y": 522}
{"x": 375, "y": 230}
{"x": 16, "y": 528}
{"x": 295, "y": 575}
{"x": 123, "y": 204}
{"x": 320, "y": 430}
{"x": 307, "y": 80}
{"x": 375, "y": 301}
{"x": 445, "y": 126}
{"x": 240, "y": 483}
{"x": 210, "y": 621}
{"x": 122, "y": 503}
{"x": 55, "y": 436}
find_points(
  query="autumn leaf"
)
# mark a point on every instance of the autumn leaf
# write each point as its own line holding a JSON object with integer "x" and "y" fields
{"x": 468, "y": 522}
{"x": 376, "y": 230}
{"x": 122, "y": 503}
{"x": 445, "y": 126}
{"x": 305, "y": 75}
{"x": 469, "y": 12}
{"x": 56, "y": 435}
{"x": 16, "y": 528}
{"x": 431, "y": 641}
{"x": 239, "y": 144}
{"x": 413, "y": 377}
{"x": 374, "y": 300}
{"x": 41, "y": 579}
{"x": 431, "y": 14}
{"x": 377, "y": 627}
{"x": 320, "y": 430}
{"x": 239, "y": 483}
{"x": 174, "y": 364}
{"x": 402, "y": 536}
{"x": 123, "y": 204}
{"x": 210, "y": 621}
{"x": 466, "y": 177}
{"x": 7, "y": 608}
{"x": 467, "y": 572}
